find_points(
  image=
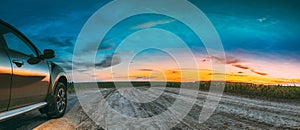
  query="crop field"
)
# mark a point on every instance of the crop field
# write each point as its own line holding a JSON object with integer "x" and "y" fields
{"x": 241, "y": 89}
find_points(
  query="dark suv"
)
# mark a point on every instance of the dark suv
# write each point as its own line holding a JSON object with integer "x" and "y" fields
{"x": 28, "y": 80}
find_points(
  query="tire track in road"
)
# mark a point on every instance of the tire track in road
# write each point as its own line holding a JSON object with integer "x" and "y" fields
{"x": 166, "y": 99}
{"x": 232, "y": 112}
{"x": 161, "y": 108}
{"x": 144, "y": 110}
{"x": 252, "y": 123}
{"x": 76, "y": 118}
{"x": 111, "y": 91}
{"x": 253, "y": 112}
{"x": 85, "y": 121}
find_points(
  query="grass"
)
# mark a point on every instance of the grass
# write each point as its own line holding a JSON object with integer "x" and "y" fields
{"x": 243, "y": 89}
{"x": 268, "y": 91}
{"x": 70, "y": 87}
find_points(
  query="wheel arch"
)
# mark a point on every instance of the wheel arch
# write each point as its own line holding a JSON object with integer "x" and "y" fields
{"x": 57, "y": 75}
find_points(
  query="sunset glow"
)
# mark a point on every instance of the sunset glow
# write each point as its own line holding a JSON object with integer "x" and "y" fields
{"x": 260, "y": 42}
{"x": 237, "y": 70}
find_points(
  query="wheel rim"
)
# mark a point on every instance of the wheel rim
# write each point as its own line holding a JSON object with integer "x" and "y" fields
{"x": 61, "y": 100}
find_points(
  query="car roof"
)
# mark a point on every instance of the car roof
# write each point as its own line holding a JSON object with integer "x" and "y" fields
{"x": 8, "y": 25}
{"x": 2, "y": 21}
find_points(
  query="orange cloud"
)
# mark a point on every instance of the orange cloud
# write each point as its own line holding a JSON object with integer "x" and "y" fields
{"x": 234, "y": 62}
{"x": 206, "y": 75}
{"x": 260, "y": 73}
{"x": 252, "y": 70}
{"x": 241, "y": 67}
{"x": 145, "y": 69}
{"x": 229, "y": 60}
{"x": 177, "y": 75}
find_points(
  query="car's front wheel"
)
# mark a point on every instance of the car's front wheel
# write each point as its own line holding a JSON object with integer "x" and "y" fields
{"x": 58, "y": 104}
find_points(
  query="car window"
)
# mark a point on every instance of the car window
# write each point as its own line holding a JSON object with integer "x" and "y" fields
{"x": 15, "y": 43}
{"x": 2, "y": 30}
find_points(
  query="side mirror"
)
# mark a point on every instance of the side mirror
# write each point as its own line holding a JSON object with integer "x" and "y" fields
{"x": 48, "y": 54}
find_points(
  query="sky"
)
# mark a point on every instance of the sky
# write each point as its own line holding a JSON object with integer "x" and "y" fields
{"x": 260, "y": 39}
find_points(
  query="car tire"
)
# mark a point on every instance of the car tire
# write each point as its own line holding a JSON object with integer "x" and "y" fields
{"x": 58, "y": 103}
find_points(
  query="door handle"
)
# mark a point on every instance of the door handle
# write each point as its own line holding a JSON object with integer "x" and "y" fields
{"x": 18, "y": 63}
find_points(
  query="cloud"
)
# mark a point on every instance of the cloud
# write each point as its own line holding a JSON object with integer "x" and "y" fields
{"x": 173, "y": 71}
{"x": 229, "y": 60}
{"x": 109, "y": 61}
{"x": 66, "y": 64}
{"x": 143, "y": 77}
{"x": 260, "y": 73}
{"x": 241, "y": 66}
{"x": 152, "y": 24}
{"x": 61, "y": 41}
{"x": 262, "y": 19}
{"x": 106, "y": 46}
{"x": 235, "y": 63}
{"x": 89, "y": 48}
{"x": 82, "y": 66}
{"x": 145, "y": 69}
{"x": 67, "y": 67}
{"x": 216, "y": 74}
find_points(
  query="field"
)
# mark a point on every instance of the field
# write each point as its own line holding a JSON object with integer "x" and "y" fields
{"x": 240, "y": 89}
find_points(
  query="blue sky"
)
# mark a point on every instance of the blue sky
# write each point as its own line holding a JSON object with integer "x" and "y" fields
{"x": 262, "y": 30}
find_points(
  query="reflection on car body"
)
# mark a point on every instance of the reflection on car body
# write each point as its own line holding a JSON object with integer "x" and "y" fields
{"x": 28, "y": 80}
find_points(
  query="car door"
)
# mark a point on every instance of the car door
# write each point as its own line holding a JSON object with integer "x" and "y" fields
{"x": 5, "y": 80}
{"x": 5, "y": 76}
{"x": 30, "y": 82}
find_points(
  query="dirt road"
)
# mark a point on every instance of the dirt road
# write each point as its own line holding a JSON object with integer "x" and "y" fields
{"x": 232, "y": 113}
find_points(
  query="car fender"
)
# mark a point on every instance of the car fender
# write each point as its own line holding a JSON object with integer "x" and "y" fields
{"x": 57, "y": 73}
